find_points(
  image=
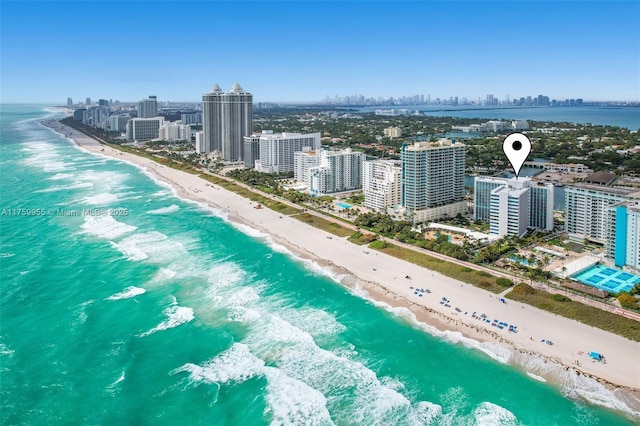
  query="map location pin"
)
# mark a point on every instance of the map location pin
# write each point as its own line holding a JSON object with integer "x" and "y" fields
{"x": 516, "y": 147}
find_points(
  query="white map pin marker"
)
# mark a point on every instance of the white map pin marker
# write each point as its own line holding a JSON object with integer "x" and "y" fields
{"x": 516, "y": 147}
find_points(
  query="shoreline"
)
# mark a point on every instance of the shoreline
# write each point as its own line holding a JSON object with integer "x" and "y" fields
{"x": 380, "y": 279}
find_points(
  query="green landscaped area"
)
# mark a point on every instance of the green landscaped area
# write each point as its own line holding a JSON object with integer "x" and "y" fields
{"x": 562, "y": 305}
{"x": 477, "y": 278}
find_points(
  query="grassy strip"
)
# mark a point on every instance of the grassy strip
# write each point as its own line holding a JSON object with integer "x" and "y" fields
{"x": 480, "y": 279}
{"x": 568, "y": 308}
{"x": 324, "y": 224}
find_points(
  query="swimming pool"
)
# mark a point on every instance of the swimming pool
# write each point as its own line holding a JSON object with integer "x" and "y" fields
{"x": 607, "y": 279}
{"x": 344, "y": 205}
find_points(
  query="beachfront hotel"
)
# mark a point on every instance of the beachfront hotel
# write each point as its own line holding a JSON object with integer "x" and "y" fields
{"x": 227, "y": 119}
{"x": 144, "y": 129}
{"x": 276, "y": 151}
{"x": 148, "y": 108}
{"x": 381, "y": 184}
{"x": 511, "y": 206}
{"x": 433, "y": 180}
{"x": 329, "y": 171}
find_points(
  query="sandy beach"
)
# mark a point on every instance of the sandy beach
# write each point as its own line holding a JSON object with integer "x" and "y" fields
{"x": 383, "y": 280}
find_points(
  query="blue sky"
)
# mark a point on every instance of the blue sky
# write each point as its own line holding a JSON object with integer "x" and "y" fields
{"x": 304, "y": 51}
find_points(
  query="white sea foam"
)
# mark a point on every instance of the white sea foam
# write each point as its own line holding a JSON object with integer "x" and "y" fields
{"x": 176, "y": 316}
{"x": 82, "y": 312}
{"x": 60, "y": 176}
{"x": 101, "y": 199}
{"x": 105, "y": 227}
{"x": 316, "y": 322}
{"x": 224, "y": 275}
{"x": 44, "y": 155}
{"x": 488, "y": 414}
{"x": 243, "y": 315}
{"x": 150, "y": 245}
{"x": 295, "y": 353}
{"x": 214, "y": 211}
{"x": 242, "y": 297}
{"x": 290, "y": 401}
{"x": 166, "y": 273}
{"x": 236, "y": 364}
{"x": 537, "y": 378}
{"x": 5, "y": 255}
{"x": 127, "y": 293}
{"x": 5, "y": 351}
{"x": 75, "y": 185}
{"x": 165, "y": 210}
{"x": 109, "y": 180}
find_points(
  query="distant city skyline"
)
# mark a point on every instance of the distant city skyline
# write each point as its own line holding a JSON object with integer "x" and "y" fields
{"x": 51, "y": 50}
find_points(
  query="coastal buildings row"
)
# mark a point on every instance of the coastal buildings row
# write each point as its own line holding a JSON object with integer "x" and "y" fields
{"x": 146, "y": 126}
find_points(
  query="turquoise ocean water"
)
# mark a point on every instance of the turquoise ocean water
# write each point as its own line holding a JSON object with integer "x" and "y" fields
{"x": 171, "y": 315}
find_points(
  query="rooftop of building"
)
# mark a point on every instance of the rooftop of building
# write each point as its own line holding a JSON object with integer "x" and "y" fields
{"x": 601, "y": 178}
{"x": 512, "y": 190}
{"x": 440, "y": 143}
{"x": 614, "y": 190}
{"x": 397, "y": 163}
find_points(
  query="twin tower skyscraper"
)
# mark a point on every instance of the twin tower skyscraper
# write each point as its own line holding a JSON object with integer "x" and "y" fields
{"x": 226, "y": 119}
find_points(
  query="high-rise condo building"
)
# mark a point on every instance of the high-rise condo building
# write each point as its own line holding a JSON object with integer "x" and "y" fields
{"x": 148, "y": 108}
{"x": 500, "y": 201}
{"x": 69, "y": 101}
{"x": 433, "y": 179}
{"x": 329, "y": 171}
{"x": 252, "y": 148}
{"x": 277, "y": 150}
{"x": 587, "y": 208}
{"x": 118, "y": 123}
{"x": 623, "y": 227}
{"x": 227, "y": 119}
{"x": 381, "y": 184}
{"x": 303, "y": 161}
{"x": 200, "y": 143}
{"x": 510, "y": 209}
{"x": 482, "y": 187}
{"x": 212, "y": 119}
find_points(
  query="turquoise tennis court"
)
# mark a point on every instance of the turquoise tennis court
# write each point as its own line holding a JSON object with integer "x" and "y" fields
{"x": 344, "y": 205}
{"x": 607, "y": 279}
